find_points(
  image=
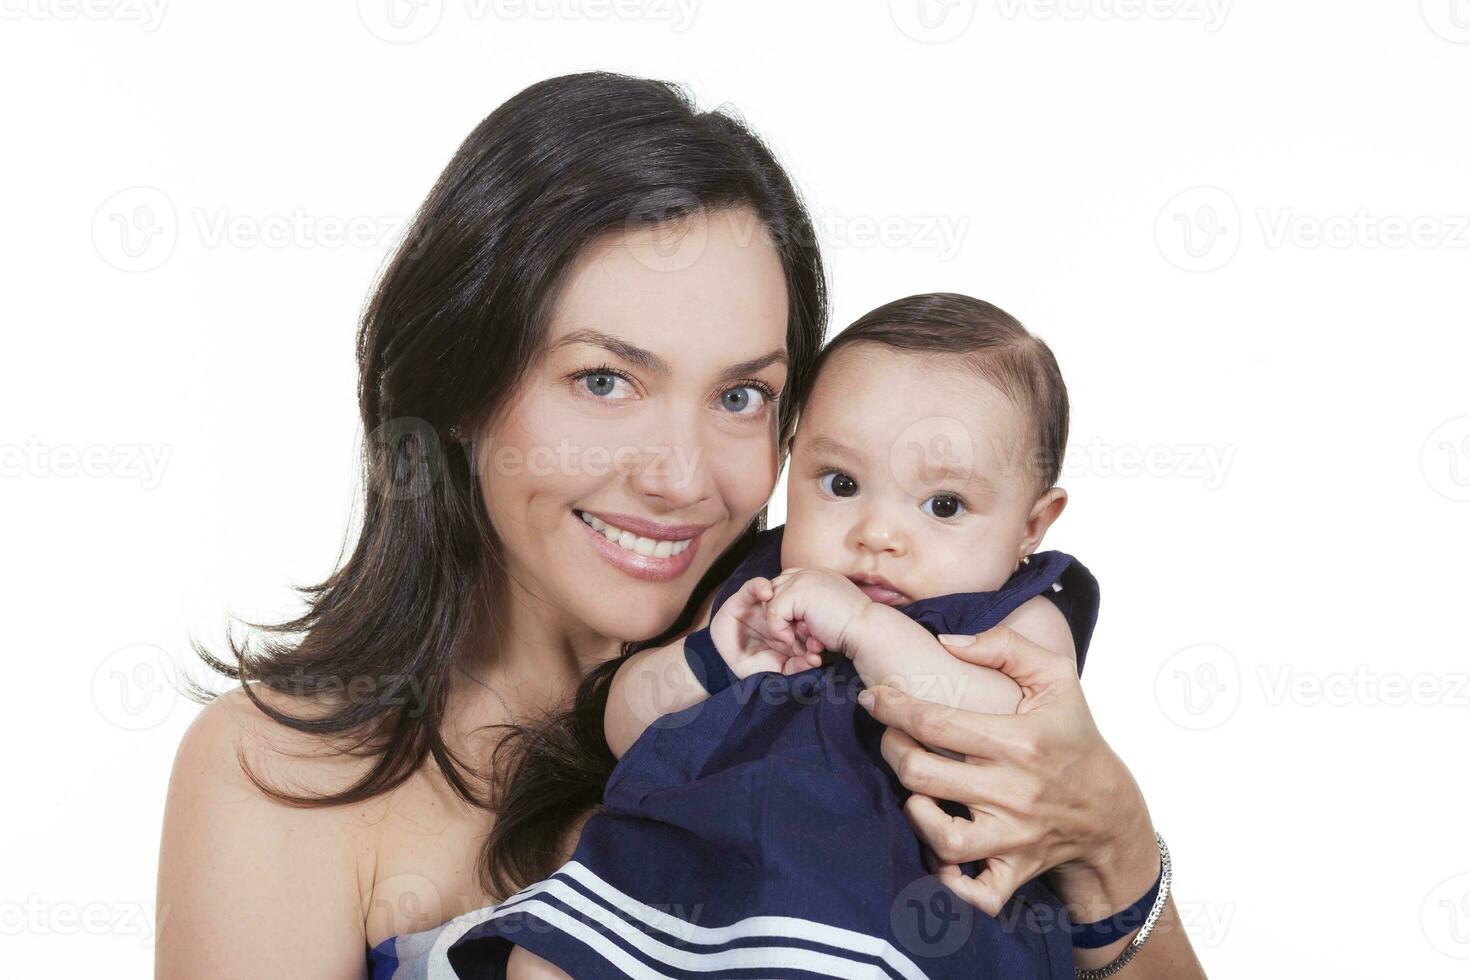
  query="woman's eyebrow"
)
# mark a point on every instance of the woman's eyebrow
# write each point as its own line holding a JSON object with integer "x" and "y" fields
{"x": 740, "y": 370}
{"x": 631, "y": 353}
{"x": 649, "y": 361}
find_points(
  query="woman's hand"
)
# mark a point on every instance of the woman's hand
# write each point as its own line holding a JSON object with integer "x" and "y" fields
{"x": 1044, "y": 791}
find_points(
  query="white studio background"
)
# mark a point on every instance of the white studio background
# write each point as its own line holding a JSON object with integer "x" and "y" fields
{"x": 1243, "y": 226}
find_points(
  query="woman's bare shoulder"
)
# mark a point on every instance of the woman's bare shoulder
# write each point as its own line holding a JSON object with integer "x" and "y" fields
{"x": 237, "y": 865}
{"x": 233, "y": 732}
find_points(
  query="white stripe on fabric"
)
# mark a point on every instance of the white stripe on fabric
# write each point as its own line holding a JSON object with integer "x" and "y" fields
{"x": 746, "y": 957}
{"x": 740, "y": 958}
{"x": 451, "y": 931}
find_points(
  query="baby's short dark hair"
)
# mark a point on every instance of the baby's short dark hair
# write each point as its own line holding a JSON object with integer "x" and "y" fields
{"x": 992, "y": 341}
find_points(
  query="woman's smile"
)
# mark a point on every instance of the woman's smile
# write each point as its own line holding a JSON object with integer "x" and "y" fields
{"x": 642, "y": 548}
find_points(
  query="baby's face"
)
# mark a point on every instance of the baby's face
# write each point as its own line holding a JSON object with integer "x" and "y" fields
{"x": 912, "y": 469}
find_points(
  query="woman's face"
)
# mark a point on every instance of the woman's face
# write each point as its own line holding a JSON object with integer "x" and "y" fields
{"x": 643, "y": 441}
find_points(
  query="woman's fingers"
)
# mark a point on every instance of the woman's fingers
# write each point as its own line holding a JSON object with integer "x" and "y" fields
{"x": 922, "y": 771}
{"x": 950, "y": 839}
{"x": 996, "y": 737}
{"x": 992, "y": 888}
{"x": 1002, "y": 648}
{"x": 955, "y": 840}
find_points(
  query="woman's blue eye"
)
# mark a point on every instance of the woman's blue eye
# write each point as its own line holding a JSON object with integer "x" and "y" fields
{"x": 839, "y": 484}
{"x": 604, "y": 384}
{"x": 743, "y": 399}
{"x": 944, "y": 506}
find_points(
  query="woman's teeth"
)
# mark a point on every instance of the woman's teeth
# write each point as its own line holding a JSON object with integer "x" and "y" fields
{"x": 648, "y": 547}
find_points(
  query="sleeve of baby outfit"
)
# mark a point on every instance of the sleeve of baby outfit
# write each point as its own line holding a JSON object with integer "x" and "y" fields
{"x": 1076, "y": 595}
{"x": 764, "y": 559}
{"x": 705, "y": 661}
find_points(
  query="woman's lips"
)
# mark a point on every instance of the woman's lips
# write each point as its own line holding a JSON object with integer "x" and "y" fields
{"x": 647, "y": 528}
{"x": 648, "y": 568}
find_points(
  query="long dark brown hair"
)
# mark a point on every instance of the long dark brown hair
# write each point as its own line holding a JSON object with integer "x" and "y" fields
{"x": 456, "y": 318}
{"x": 561, "y": 767}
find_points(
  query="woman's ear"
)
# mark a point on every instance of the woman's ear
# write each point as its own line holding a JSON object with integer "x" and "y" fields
{"x": 1044, "y": 512}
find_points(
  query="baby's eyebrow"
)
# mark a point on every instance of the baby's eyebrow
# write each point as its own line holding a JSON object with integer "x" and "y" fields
{"x": 936, "y": 473}
{"x": 963, "y": 476}
{"x": 828, "y": 446}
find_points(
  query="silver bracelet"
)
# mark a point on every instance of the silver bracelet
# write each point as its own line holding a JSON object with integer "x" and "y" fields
{"x": 1166, "y": 875}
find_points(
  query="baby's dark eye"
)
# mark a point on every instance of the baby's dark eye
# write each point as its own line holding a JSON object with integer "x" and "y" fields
{"x": 944, "y": 506}
{"x": 839, "y": 484}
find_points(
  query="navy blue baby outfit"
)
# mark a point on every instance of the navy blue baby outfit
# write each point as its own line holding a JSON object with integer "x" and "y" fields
{"x": 759, "y": 833}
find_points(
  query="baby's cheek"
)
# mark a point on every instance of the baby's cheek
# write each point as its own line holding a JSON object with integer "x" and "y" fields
{"x": 984, "y": 567}
{"x": 800, "y": 543}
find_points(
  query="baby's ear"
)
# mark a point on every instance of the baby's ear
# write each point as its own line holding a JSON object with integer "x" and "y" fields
{"x": 1044, "y": 512}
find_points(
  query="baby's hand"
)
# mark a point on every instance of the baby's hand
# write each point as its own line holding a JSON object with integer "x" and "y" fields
{"x": 816, "y": 605}
{"x": 742, "y": 633}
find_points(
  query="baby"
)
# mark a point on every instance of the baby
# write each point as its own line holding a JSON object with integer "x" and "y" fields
{"x": 923, "y": 465}
{"x": 751, "y": 822}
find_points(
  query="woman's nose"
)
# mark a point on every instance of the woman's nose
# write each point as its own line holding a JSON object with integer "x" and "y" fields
{"x": 672, "y": 471}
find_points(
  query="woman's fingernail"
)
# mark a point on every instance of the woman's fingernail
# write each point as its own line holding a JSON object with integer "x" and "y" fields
{"x": 866, "y": 699}
{"x": 956, "y": 639}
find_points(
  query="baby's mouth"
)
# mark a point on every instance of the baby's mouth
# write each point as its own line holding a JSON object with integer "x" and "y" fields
{"x": 879, "y": 589}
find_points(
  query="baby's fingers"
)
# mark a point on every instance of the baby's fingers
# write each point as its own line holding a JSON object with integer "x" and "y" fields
{"x": 760, "y": 589}
{"x": 813, "y": 645}
{"x": 780, "y": 627}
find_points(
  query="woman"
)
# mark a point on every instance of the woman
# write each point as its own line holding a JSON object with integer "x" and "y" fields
{"x": 594, "y": 311}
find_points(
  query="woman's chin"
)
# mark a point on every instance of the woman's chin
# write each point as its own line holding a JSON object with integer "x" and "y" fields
{"x": 641, "y": 618}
